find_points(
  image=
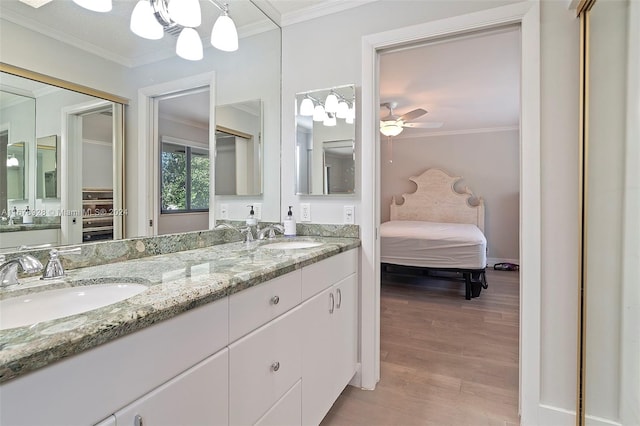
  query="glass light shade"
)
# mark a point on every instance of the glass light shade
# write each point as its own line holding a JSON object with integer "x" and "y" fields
{"x": 390, "y": 128}
{"x": 349, "y": 119}
{"x": 318, "y": 113}
{"x": 330, "y": 120}
{"x": 343, "y": 110}
{"x": 185, "y": 12}
{"x": 306, "y": 107}
{"x": 331, "y": 103}
{"x": 12, "y": 162}
{"x": 224, "y": 35}
{"x": 189, "y": 45}
{"x": 144, "y": 22}
{"x": 95, "y": 5}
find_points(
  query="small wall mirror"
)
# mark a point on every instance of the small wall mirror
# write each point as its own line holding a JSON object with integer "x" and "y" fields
{"x": 325, "y": 141}
{"x": 239, "y": 148}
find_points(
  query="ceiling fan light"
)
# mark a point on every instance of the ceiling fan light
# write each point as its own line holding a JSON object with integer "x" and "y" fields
{"x": 95, "y": 5}
{"x": 331, "y": 103}
{"x": 343, "y": 109}
{"x": 185, "y": 12}
{"x": 330, "y": 120}
{"x": 319, "y": 113}
{"x": 144, "y": 22}
{"x": 189, "y": 45}
{"x": 390, "y": 128}
{"x": 306, "y": 107}
{"x": 224, "y": 35}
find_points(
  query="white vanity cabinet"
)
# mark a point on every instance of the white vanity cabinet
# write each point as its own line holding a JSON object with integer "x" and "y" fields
{"x": 278, "y": 353}
{"x": 196, "y": 397}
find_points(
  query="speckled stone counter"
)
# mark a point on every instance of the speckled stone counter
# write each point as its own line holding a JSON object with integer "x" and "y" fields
{"x": 28, "y": 227}
{"x": 177, "y": 283}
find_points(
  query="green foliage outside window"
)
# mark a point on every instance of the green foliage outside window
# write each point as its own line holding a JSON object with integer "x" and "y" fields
{"x": 184, "y": 178}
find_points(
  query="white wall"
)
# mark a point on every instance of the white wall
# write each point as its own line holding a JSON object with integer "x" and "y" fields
{"x": 489, "y": 164}
{"x": 559, "y": 154}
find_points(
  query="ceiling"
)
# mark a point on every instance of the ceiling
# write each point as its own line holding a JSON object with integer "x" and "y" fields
{"x": 470, "y": 83}
{"x": 108, "y": 34}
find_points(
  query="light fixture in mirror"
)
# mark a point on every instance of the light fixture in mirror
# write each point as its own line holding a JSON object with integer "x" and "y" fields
{"x": 325, "y": 141}
{"x": 239, "y": 148}
{"x": 47, "y": 167}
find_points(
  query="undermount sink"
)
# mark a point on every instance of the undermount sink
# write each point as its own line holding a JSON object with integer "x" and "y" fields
{"x": 52, "y": 304}
{"x": 291, "y": 245}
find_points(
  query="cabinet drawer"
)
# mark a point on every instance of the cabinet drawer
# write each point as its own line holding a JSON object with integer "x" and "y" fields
{"x": 263, "y": 366}
{"x": 325, "y": 273}
{"x": 253, "y": 307}
{"x": 287, "y": 411}
{"x": 196, "y": 397}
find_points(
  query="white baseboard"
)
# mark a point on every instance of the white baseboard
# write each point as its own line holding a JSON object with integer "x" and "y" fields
{"x": 555, "y": 416}
{"x": 599, "y": 421}
{"x": 493, "y": 260}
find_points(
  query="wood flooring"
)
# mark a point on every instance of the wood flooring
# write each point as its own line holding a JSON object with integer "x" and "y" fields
{"x": 445, "y": 360}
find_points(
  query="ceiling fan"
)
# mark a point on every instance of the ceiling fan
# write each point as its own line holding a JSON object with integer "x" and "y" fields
{"x": 392, "y": 125}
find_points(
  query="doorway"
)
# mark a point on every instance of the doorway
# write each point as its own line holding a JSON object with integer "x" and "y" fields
{"x": 527, "y": 14}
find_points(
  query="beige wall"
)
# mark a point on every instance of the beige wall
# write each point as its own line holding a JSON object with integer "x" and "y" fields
{"x": 489, "y": 164}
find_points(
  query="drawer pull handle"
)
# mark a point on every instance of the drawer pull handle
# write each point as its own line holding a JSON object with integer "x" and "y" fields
{"x": 339, "y": 298}
{"x": 275, "y": 366}
{"x": 275, "y": 300}
{"x": 333, "y": 303}
{"x": 137, "y": 420}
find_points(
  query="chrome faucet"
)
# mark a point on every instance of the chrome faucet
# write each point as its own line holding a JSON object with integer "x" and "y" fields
{"x": 9, "y": 269}
{"x": 269, "y": 231}
{"x": 246, "y": 231}
{"x": 54, "y": 267}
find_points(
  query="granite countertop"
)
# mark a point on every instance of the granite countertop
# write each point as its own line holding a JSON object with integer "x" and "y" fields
{"x": 28, "y": 227}
{"x": 177, "y": 283}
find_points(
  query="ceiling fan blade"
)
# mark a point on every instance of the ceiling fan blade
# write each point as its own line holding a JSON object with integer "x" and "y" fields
{"x": 427, "y": 125}
{"x": 412, "y": 115}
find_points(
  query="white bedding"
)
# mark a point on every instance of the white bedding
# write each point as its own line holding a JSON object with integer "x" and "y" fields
{"x": 433, "y": 244}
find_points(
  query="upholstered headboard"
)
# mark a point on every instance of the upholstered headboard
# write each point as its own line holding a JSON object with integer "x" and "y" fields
{"x": 436, "y": 200}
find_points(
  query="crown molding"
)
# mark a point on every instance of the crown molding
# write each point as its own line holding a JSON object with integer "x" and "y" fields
{"x": 322, "y": 9}
{"x": 426, "y": 133}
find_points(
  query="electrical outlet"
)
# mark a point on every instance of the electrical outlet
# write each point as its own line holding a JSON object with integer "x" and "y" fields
{"x": 349, "y": 215}
{"x": 305, "y": 212}
{"x": 224, "y": 211}
{"x": 257, "y": 210}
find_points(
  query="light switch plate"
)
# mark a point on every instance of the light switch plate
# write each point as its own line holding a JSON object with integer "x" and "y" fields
{"x": 224, "y": 211}
{"x": 305, "y": 212}
{"x": 257, "y": 210}
{"x": 349, "y": 215}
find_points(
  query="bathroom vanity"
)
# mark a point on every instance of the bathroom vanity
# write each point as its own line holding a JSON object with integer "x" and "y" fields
{"x": 225, "y": 335}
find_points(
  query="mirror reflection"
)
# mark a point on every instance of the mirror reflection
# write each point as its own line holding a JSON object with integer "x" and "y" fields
{"x": 34, "y": 207}
{"x": 239, "y": 148}
{"x": 325, "y": 141}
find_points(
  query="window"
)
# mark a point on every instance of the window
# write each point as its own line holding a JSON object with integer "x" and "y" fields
{"x": 184, "y": 178}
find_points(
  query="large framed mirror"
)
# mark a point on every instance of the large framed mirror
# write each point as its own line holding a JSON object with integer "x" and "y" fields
{"x": 325, "y": 141}
{"x": 609, "y": 384}
{"x": 65, "y": 166}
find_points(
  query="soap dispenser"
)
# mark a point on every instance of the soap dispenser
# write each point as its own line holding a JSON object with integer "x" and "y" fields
{"x": 251, "y": 219}
{"x": 289, "y": 224}
{"x": 26, "y": 217}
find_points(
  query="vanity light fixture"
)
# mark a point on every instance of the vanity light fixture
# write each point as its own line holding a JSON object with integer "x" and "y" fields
{"x": 319, "y": 113}
{"x": 150, "y": 19}
{"x": 331, "y": 103}
{"x": 95, "y": 5}
{"x": 306, "y": 107}
{"x": 12, "y": 161}
{"x": 343, "y": 109}
{"x": 330, "y": 119}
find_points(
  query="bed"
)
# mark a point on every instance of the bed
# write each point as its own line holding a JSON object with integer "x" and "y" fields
{"x": 438, "y": 229}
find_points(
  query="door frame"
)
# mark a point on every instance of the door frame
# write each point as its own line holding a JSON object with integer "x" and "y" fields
{"x": 147, "y": 136}
{"x": 527, "y": 15}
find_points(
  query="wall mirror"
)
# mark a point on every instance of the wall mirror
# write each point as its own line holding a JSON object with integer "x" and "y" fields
{"x": 609, "y": 387}
{"x": 239, "y": 148}
{"x": 70, "y": 198}
{"x": 325, "y": 141}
